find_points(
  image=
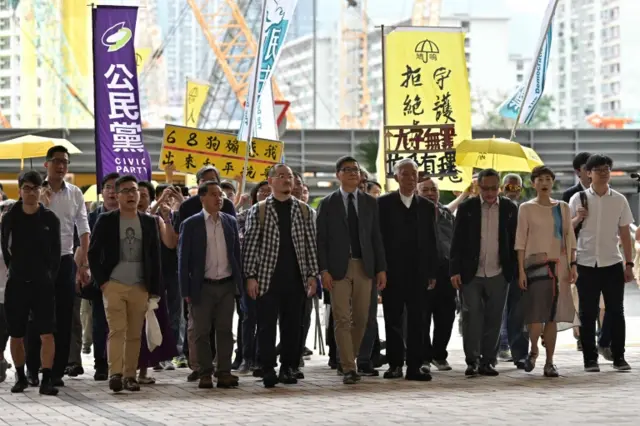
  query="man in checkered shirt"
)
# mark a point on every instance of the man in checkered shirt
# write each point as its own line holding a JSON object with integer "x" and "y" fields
{"x": 281, "y": 268}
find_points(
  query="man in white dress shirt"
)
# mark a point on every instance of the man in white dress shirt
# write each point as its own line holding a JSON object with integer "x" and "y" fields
{"x": 602, "y": 269}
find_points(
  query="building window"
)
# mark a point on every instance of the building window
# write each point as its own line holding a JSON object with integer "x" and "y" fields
{"x": 5, "y": 102}
{"x": 5, "y": 63}
{"x": 5, "y": 43}
{"x": 520, "y": 65}
{"x": 465, "y": 25}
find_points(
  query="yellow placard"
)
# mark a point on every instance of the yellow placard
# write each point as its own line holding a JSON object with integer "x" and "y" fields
{"x": 142, "y": 57}
{"x": 426, "y": 82}
{"x": 193, "y": 101}
{"x": 189, "y": 149}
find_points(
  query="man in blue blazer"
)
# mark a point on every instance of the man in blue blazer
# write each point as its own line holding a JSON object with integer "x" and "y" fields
{"x": 210, "y": 275}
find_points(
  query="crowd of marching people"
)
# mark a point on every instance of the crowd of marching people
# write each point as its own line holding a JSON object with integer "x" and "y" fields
{"x": 110, "y": 277}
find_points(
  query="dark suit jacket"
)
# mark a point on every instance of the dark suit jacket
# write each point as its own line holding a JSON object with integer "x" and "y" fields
{"x": 333, "y": 236}
{"x": 192, "y": 206}
{"x": 104, "y": 250}
{"x": 465, "y": 245}
{"x": 192, "y": 251}
{"x": 566, "y": 195}
{"x": 390, "y": 206}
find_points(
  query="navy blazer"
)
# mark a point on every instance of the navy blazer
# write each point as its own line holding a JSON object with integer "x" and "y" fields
{"x": 192, "y": 252}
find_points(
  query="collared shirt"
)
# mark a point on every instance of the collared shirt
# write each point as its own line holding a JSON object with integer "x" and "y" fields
{"x": 68, "y": 205}
{"x": 598, "y": 238}
{"x": 489, "y": 262}
{"x": 345, "y": 200}
{"x": 406, "y": 200}
{"x": 217, "y": 265}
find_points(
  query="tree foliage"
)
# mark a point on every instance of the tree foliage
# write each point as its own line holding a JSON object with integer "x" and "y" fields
{"x": 491, "y": 119}
{"x": 367, "y": 153}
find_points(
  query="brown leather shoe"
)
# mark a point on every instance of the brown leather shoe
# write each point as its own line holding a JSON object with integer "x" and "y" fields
{"x": 227, "y": 380}
{"x": 205, "y": 383}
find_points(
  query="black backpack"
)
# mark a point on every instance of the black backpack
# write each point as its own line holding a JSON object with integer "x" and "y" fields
{"x": 585, "y": 204}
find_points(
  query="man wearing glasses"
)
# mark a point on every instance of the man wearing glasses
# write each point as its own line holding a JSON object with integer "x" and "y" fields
{"x": 482, "y": 264}
{"x": 31, "y": 251}
{"x": 125, "y": 261}
{"x": 67, "y": 202}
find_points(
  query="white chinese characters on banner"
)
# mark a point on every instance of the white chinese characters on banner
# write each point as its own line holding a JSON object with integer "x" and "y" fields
{"x": 127, "y": 135}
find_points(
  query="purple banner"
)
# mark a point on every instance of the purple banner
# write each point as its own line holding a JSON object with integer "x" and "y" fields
{"x": 119, "y": 146}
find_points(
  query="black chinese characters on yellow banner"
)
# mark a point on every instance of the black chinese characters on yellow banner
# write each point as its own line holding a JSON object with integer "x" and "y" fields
{"x": 427, "y": 92}
{"x": 189, "y": 149}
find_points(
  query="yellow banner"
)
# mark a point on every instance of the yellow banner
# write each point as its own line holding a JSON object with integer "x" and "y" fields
{"x": 426, "y": 83}
{"x": 142, "y": 57}
{"x": 193, "y": 101}
{"x": 189, "y": 149}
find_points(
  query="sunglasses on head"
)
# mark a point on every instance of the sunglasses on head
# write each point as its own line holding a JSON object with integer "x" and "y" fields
{"x": 512, "y": 188}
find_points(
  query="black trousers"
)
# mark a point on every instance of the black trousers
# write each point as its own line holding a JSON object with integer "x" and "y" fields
{"x": 331, "y": 338}
{"x": 64, "y": 297}
{"x": 440, "y": 304}
{"x": 399, "y": 296}
{"x": 288, "y": 306}
{"x": 239, "y": 338}
{"x": 609, "y": 281}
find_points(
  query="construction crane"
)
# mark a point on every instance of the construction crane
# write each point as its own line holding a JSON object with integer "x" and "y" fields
{"x": 233, "y": 42}
{"x": 355, "y": 97}
{"x": 426, "y": 13}
{"x": 3, "y": 120}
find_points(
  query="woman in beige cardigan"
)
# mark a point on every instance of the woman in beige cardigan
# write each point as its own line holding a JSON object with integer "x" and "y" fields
{"x": 546, "y": 246}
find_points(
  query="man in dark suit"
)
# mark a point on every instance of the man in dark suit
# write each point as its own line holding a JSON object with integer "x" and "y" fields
{"x": 407, "y": 222}
{"x": 482, "y": 265}
{"x": 350, "y": 256}
{"x": 124, "y": 257}
{"x": 210, "y": 275}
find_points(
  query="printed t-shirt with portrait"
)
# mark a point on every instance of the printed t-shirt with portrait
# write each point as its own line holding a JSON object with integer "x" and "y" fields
{"x": 129, "y": 270}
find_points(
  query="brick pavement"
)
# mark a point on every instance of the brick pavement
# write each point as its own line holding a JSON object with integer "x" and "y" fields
{"x": 513, "y": 398}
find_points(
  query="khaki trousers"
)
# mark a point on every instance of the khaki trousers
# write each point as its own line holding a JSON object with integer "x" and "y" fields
{"x": 125, "y": 307}
{"x": 350, "y": 300}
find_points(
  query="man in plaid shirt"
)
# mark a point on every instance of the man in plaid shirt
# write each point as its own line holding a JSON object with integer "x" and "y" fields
{"x": 281, "y": 266}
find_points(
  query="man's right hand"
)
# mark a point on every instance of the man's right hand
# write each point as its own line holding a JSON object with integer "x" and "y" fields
{"x": 327, "y": 281}
{"x": 456, "y": 281}
{"x": 252, "y": 288}
{"x": 582, "y": 213}
{"x": 45, "y": 196}
{"x": 188, "y": 300}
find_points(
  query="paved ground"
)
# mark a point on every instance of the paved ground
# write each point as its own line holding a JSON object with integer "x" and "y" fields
{"x": 513, "y": 398}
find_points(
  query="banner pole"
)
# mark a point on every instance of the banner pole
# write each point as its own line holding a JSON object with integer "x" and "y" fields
{"x": 533, "y": 72}
{"x": 254, "y": 99}
{"x": 382, "y": 140}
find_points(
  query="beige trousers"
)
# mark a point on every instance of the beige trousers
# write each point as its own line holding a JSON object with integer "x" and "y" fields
{"x": 350, "y": 299}
{"x": 125, "y": 307}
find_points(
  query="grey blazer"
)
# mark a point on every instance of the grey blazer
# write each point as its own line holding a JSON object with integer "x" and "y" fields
{"x": 333, "y": 235}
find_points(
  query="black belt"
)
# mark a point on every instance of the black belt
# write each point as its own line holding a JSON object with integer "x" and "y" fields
{"x": 217, "y": 282}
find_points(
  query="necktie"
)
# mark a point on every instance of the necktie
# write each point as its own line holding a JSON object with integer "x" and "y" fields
{"x": 354, "y": 233}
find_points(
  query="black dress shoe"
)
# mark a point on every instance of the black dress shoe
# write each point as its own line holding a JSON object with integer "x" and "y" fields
{"x": 471, "y": 371}
{"x": 286, "y": 376}
{"x": 32, "y": 379}
{"x": 379, "y": 361}
{"x": 417, "y": 374}
{"x": 236, "y": 363}
{"x": 47, "y": 388}
{"x": 258, "y": 372}
{"x": 297, "y": 373}
{"x": 333, "y": 364}
{"x": 20, "y": 385}
{"x": 57, "y": 382}
{"x": 393, "y": 373}
{"x": 367, "y": 370}
{"x": 488, "y": 370}
{"x": 194, "y": 376}
{"x": 74, "y": 370}
{"x": 350, "y": 378}
{"x": 269, "y": 379}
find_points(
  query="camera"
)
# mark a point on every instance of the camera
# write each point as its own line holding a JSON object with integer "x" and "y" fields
{"x": 636, "y": 176}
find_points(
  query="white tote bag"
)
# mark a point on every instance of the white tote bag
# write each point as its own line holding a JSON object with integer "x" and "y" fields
{"x": 154, "y": 335}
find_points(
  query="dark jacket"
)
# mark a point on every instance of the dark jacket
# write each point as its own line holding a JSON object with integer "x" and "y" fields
{"x": 91, "y": 292}
{"x": 566, "y": 195}
{"x": 465, "y": 245}
{"x": 192, "y": 251}
{"x": 192, "y": 206}
{"x": 391, "y": 207}
{"x": 47, "y": 249}
{"x": 333, "y": 236}
{"x": 104, "y": 250}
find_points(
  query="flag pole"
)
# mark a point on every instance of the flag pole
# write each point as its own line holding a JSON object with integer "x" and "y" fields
{"x": 254, "y": 96}
{"x": 533, "y": 71}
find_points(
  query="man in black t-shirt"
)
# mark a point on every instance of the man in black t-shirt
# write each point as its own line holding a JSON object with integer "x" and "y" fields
{"x": 31, "y": 249}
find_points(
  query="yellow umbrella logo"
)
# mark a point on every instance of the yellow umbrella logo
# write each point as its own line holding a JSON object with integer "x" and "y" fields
{"x": 426, "y": 49}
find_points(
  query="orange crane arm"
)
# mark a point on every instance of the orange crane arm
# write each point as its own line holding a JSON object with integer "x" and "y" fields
{"x": 241, "y": 48}
{"x": 3, "y": 120}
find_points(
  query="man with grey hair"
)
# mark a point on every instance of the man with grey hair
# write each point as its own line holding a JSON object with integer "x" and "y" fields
{"x": 512, "y": 187}
{"x": 407, "y": 223}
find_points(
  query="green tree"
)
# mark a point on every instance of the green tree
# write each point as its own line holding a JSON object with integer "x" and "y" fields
{"x": 493, "y": 120}
{"x": 367, "y": 153}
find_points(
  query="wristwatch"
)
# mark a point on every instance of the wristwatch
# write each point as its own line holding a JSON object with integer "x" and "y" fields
{"x": 630, "y": 264}
{"x": 573, "y": 264}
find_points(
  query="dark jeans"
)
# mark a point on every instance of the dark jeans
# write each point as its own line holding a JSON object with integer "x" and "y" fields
{"x": 370, "y": 335}
{"x": 64, "y": 298}
{"x": 504, "y": 333}
{"x": 609, "y": 281}
{"x": 4, "y": 333}
{"x": 249, "y": 332}
{"x": 516, "y": 333}
{"x": 441, "y": 305}
{"x": 100, "y": 332}
{"x": 177, "y": 321}
{"x": 288, "y": 306}
{"x": 331, "y": 338}
{"x": 239, "y": 338}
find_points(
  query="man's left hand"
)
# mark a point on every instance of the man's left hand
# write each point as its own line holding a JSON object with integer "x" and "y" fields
{"x": 628, "y": 274}
{"x": 432, "y": 284}
{"x": 311, "y": 286}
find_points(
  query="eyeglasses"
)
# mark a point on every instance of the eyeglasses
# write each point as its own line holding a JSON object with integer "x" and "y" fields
{"x": 489, "y": 188}
{"x": 512, "y": 188}
{"x": 602, "y": 170}
{"x": 28, "y": 188}
{"x": 350, "y": 170}
{"x": 128, "y": 191}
